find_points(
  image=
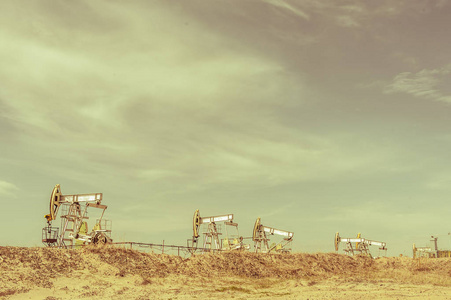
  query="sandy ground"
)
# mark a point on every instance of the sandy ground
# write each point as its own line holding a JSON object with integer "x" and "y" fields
{"x": 111, "y": 273}
{"x": 175, "y": 287}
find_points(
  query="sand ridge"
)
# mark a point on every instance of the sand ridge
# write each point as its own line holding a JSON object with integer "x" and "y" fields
{"x": 117, "y": 273}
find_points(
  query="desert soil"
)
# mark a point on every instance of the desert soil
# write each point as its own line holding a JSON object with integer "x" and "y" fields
{"x": 116, "y": 273}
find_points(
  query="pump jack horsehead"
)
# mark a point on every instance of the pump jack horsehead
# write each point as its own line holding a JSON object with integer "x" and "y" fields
{"x": 73, "y": 225}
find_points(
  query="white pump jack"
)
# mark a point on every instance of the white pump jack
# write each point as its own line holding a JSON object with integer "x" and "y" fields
{"x": 261, "y": 239}
{"x": 361, "y": 245}
{"x": 211, "y": 235}
{"x": 73, "y": 220}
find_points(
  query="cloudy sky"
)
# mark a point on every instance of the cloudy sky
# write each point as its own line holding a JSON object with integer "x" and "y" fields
{"x": 317, "y": 116}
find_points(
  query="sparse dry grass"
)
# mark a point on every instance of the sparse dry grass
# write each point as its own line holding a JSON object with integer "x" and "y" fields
{"x": 235, "y": 273}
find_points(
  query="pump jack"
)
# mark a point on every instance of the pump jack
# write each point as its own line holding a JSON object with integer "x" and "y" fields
{"x": 361, "y": 245}
{"x": 73, "y": 225}
{"x": 260, "y": 238}
{"x": 212, "y": 233}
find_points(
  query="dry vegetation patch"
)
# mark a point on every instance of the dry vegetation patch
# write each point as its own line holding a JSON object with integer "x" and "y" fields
{"x": 242, "y": 273}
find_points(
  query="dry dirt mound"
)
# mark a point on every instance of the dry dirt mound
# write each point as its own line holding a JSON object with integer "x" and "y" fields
{"x": 38, "y": 267}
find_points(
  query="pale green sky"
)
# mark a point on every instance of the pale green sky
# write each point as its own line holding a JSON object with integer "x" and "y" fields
{"x": 318, "y": 116}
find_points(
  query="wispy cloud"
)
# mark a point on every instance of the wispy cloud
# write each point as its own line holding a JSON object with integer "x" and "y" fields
{"x": 7, "y": 188}
{"x": 284, "y": 5}
{"x": 280, "y": 210}
{"x": 347, "y": 21}
{"x": 427, "y": 84}
{"x": 222, "y": 107}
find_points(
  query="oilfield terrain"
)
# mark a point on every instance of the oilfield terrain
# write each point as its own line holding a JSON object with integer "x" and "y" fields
{"x": 260, "y": 149}
{"x": 217, "y": 263}
{"x": 112, "y": 272}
